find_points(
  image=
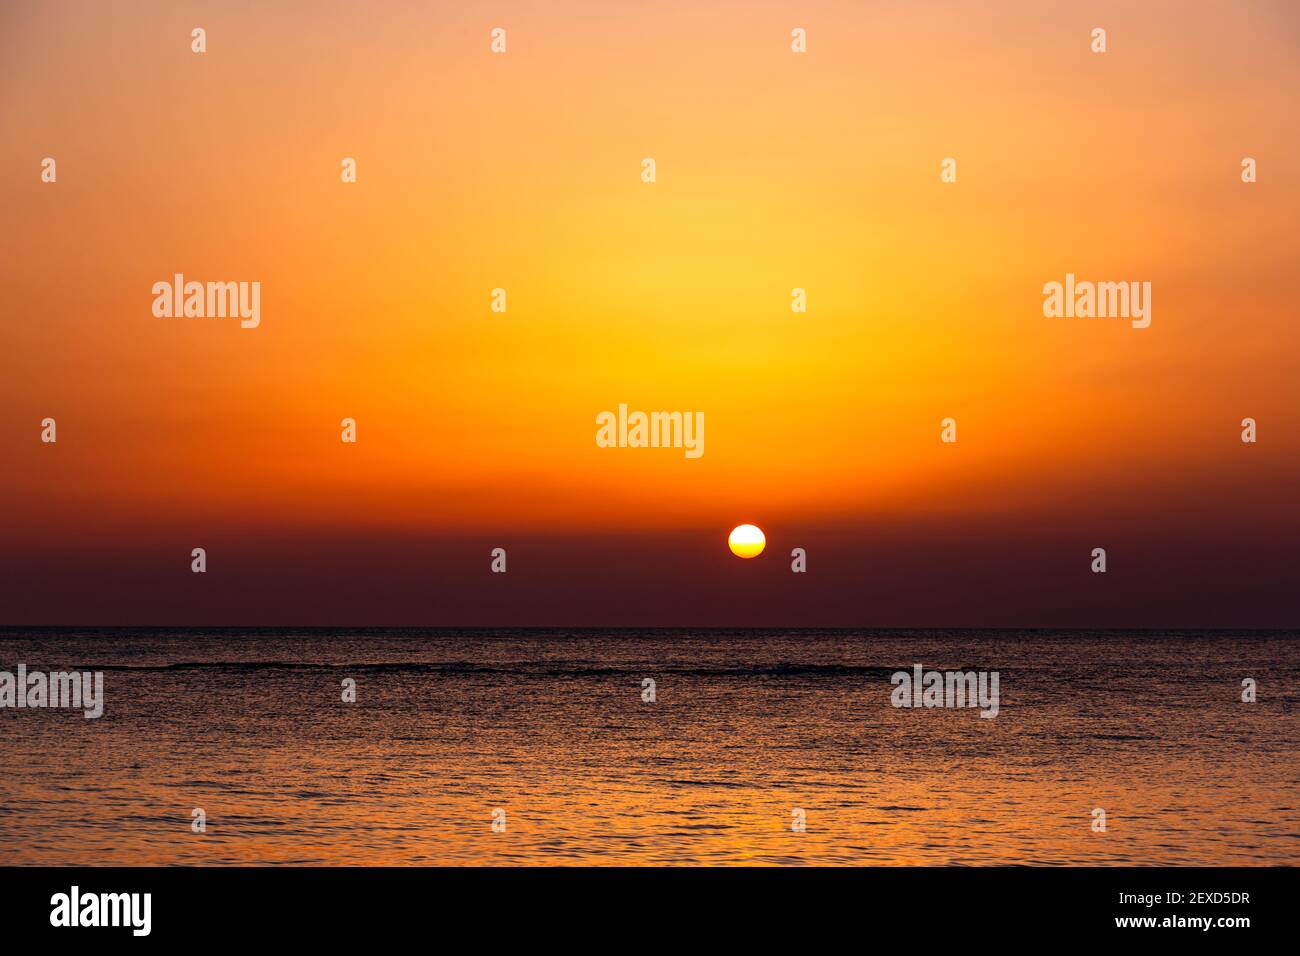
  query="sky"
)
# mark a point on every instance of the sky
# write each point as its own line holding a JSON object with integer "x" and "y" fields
{"x": 522, "y": 171}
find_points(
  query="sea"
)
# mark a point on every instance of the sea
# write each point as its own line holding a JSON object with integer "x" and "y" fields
{"x": 626, "y": 747}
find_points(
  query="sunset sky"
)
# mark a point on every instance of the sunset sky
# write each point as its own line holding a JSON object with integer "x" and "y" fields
{"x": 774, "y": 171}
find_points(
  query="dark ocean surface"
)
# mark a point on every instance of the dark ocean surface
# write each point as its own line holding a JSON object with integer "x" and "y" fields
{"x": 550, "y": 727}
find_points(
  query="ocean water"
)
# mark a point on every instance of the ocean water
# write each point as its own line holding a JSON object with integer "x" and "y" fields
{"x": 550, "y": 727}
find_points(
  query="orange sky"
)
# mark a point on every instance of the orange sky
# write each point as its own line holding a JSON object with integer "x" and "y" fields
{"x": 521, "y": 171}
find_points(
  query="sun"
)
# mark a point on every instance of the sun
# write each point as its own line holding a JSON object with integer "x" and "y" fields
{"x": 746, "y": 541}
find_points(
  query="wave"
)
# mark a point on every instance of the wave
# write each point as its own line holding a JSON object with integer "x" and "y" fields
{"x": 541, "y": 668}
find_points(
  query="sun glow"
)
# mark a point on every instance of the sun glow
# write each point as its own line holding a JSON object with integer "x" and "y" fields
{"x": 746, "y": 541}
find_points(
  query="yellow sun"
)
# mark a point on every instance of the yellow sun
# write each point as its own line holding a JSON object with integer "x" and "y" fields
{"x": 746, "y": 541}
